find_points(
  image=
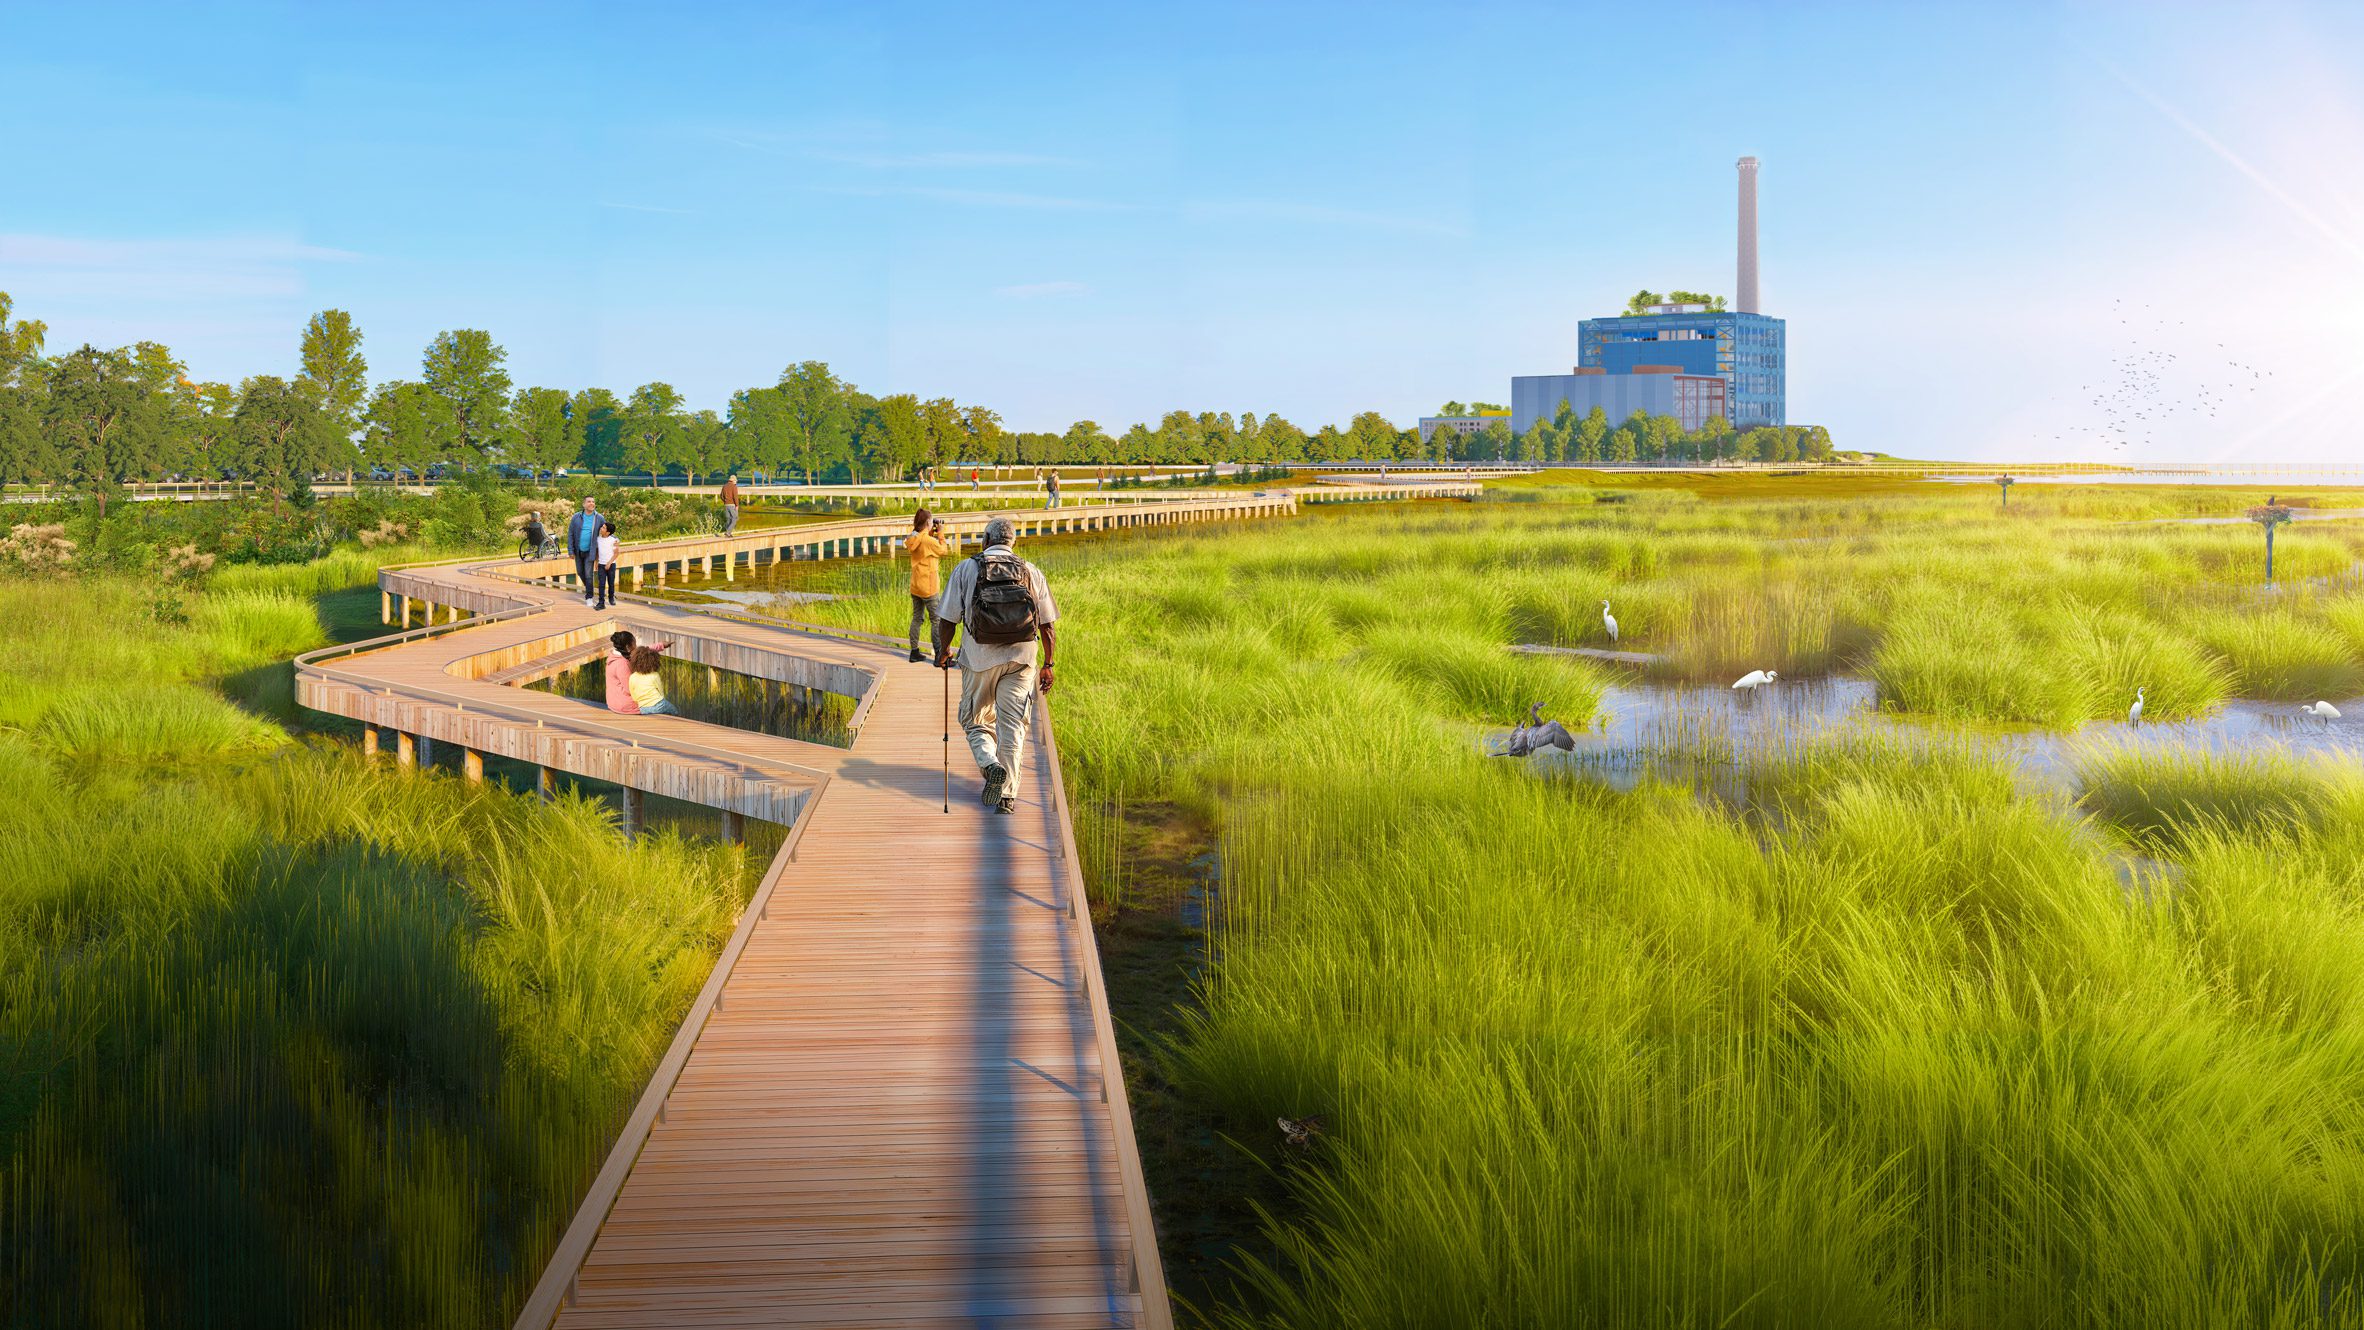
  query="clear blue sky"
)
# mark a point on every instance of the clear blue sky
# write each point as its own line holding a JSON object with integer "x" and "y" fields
{"x": 1101, "y": 212}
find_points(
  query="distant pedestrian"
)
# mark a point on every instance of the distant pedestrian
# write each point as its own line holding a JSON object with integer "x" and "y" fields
{"x": 925, "y": 548}
{"x": 1003, "y": 607}
{"x": 1054, "y": 487}
{"x": 582, "y": 541}
{"x": 647, "y": 685}
{"x": 609, "y": 547}
{"x": 730, "y": 505}
{"x": 973, "y": 485}
{"x": 621, "y": 645}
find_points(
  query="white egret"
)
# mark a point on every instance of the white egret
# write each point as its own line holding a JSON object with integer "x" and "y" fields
{"x": 2323, "y": 709}
{"x": 2134, "y": 713}
{"x": 1755, "y": 679}
{"x": 1609, "y": 621}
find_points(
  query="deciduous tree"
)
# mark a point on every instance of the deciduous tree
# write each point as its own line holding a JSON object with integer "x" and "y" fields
{"x": 408, "y": 426}
{"x": 335, "y": 370}
{"x": 652, "y": 429}
{"x": 103, "y": 416}
{"x": 283, "y": 435}
{"x": 542, "y": 434}
{"x": 469, "y": 371}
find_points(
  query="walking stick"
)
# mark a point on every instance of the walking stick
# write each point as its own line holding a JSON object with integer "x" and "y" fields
{"x": 947, "y": 735}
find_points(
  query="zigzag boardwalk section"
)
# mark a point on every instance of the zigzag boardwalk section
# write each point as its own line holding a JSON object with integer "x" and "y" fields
{"x": 897, "y": 1100}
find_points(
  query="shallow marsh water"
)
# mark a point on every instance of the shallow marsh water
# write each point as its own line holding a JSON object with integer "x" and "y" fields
{"x": 1690, "y": 731}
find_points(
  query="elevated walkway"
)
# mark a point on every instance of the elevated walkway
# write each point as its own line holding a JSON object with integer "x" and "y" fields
{"x": 896, "y": 1101}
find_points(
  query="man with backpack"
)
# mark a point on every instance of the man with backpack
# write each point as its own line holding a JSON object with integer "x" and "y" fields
{"x": 1003, "y": 606}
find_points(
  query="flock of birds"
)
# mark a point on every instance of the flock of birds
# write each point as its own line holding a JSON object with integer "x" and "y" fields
{"x": 1537, "y": 733}
{"x": 2151, "y": 385}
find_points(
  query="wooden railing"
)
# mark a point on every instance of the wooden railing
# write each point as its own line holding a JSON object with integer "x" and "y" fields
{"x": 1148, "y": 1267}
{"x": 557, "y": 1284}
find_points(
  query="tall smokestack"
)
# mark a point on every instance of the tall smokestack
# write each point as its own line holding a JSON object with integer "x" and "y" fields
{"x": 1745, "y": 299}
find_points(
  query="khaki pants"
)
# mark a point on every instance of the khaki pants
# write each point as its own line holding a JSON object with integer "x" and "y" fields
{"x": 995, "y": 705}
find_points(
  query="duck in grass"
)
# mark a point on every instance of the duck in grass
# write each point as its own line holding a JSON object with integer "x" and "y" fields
{"x": 1536, "y": 734}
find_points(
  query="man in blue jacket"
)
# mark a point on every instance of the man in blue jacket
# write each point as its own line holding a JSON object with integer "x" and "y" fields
{"x": 582, "y": 541}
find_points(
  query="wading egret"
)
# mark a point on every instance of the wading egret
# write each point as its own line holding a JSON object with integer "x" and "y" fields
{"x": 2134, "y": 713}
{"x": 2323, "y": 709}
{"x": 1755, "y": 679}
{"x": 1609, "y": 621}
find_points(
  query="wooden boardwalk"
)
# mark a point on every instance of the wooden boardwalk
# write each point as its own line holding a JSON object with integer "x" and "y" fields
{"x": 897, "y": 1100}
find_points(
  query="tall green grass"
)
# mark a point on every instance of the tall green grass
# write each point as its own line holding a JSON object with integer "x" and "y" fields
{"x": 1870, "y": 1038}
{"x": 287, "y": 1039}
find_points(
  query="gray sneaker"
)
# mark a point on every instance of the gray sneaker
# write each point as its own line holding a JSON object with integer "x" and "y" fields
{"x": 1006, "y": 805}
{"x": 996, "y": 776}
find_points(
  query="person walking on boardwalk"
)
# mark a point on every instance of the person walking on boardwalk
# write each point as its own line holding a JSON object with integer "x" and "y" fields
{"x": 1053, "y": 483}
{"x": 730, "y": 504}
{"x": 1004, "y": 608}
{"x": 606, "y": 569}
{"x": 925, "y": 548}
{"x": 582, "y": 541}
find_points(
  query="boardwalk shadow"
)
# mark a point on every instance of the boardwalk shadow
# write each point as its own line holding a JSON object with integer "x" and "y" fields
{"x": 1009, "y": 1086}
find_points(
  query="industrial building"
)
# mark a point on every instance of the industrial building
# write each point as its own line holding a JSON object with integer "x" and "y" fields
{"x": 1660, "y": 390}
{"x": 1686, "y": 361}
{"x": 1473, "y": 423}
{"x": 1744, "y": 349}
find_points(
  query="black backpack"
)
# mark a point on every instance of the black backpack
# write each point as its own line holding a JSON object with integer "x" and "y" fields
{"x": 1001, "y": 606}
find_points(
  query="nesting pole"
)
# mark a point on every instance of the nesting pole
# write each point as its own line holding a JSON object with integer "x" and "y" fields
{"x": 2269, "y": 515}
{"x": 2004, "y": 483}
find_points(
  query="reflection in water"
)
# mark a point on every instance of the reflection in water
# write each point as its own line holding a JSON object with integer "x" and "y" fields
{"x": 1702, "y": 733}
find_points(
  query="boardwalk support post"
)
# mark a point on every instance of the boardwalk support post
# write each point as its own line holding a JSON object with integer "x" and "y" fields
{"x": 635, "y": 812}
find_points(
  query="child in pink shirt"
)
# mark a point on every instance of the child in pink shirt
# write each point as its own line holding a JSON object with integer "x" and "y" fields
{"x": 619, "y": 672}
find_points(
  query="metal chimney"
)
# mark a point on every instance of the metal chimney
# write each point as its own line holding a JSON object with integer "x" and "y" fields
{"x": 1745, "y": 299}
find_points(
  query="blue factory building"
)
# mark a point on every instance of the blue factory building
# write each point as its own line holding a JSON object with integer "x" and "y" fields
{"x": 1747, "y": 351}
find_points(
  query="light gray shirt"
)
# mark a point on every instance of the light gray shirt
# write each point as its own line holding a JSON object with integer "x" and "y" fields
{"x": 954, "y": 608}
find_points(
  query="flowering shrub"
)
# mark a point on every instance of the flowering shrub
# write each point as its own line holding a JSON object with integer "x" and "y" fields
{"x": 37, "y": 549}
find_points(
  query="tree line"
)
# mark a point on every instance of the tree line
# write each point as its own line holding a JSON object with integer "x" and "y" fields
{"x": 98, "y": 418}
{"x": 1641, "y": 437}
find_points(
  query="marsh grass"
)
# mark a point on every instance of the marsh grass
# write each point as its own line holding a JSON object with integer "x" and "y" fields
{"x": 287, "y": 1039}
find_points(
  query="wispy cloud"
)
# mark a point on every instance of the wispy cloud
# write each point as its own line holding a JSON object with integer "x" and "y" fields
{"x": 1314, "y": 214}
{"x": 174, "y": 267}
{"x": 649, "y": 207}
{"x": 1038, "y": 290}
{"x": 932, "y": 161}
{"x": 888, "y": 158}
{"x": 978, "y": 198}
